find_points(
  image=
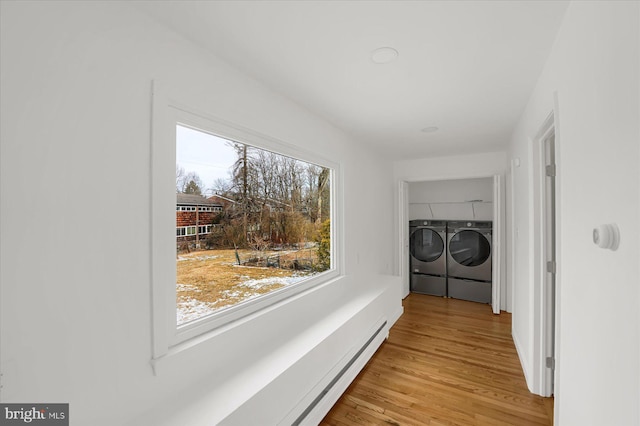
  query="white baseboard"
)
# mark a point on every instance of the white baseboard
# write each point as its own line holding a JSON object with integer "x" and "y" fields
{"x": 523, "y": 361}
{"x": 395, "y": 317}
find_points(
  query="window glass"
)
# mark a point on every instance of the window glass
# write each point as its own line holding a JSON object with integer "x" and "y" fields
{"x": 272, "y": 231}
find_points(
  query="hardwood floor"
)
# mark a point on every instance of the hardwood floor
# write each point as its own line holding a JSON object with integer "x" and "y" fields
{"x": 446, "y": 362}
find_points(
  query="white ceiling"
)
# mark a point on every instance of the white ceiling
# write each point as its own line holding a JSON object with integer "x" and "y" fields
{"x": 465, "y": 67}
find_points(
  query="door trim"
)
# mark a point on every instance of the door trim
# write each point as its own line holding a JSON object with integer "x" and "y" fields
{"x": 497, "y": 274}
{"x": 403, "y": 240}
{"x": 498, "y": 223}
{"x": 545, "y": 312}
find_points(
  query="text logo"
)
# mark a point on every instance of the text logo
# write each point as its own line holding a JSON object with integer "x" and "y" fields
{"x": 34, "y": 414}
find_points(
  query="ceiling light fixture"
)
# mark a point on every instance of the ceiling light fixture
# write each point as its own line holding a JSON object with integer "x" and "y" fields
{"x": 384, "y": 55}
{"x": 431, "y": 129}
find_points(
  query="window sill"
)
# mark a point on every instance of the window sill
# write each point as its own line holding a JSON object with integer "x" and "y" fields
{"x": 230, "y": 326}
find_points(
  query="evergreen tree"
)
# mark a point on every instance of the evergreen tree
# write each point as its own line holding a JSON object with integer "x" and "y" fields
{"x": 192, "y": 188}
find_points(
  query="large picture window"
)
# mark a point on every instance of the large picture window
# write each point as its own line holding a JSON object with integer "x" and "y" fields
{"x": 240, "y": 221}
{"x": 273, "y": 231}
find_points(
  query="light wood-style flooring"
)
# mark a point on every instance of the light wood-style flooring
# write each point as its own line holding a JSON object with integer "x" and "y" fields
{"x": 446, "y": 362}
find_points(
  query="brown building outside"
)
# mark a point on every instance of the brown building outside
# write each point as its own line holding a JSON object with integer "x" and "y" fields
{"x": 194, "y": 217}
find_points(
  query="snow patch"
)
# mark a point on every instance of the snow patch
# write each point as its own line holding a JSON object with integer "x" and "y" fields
{"x": 285, "y": 281}
{"x": 187, "y": 287}
{"x": 181, "y": 258}
{"x": 192, "y": 309}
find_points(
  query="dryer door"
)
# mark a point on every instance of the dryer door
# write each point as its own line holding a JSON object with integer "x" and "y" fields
{"x": 470, "y": 255}
{"x": 427, "y": 248}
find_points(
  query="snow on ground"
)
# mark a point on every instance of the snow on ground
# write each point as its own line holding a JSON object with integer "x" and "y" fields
{"x": 187, "y": 287}
{"x": 182, "y": 258}
{"x": 249, "y": 289}
{"x": 256, "y": 284}
{"x": 191, "y": 309}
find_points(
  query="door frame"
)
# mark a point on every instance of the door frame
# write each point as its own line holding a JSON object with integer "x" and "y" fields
{"x": 403, "y": 233}
{"x": 497, "y": 273}
{"x": 545, "y": 296}
{"x": 402, "y": 243}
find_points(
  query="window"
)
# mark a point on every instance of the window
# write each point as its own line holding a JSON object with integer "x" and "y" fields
{"x": 182, "y": 231}
{"x": 204, "y": 229}
{"x": 280, "y": 215}
{"x": 210, "y": 209}
{"x": 274, "y": 238}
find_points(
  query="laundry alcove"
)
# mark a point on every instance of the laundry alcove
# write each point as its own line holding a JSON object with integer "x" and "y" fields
{"x": 468, "y": 202}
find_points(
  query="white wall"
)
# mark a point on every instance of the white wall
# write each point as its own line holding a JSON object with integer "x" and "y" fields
{"x": 456, "y": 190}
{"x": 75, "y": 191}
{"x": 456, "y": 167}
{"x": 594, "y": 70}
{"x": 451, "y": 199}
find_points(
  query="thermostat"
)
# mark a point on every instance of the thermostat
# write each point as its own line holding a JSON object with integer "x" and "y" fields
{"x": 607, "y": 236}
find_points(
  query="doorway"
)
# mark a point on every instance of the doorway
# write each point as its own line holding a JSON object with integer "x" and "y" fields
{"x": 495, "y": 213}
{"x": 544, "y": 168}
{"x": 550, "y": 261}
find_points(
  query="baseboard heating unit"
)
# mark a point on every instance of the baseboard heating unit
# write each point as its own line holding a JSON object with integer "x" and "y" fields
{"x": 303, "y": 418}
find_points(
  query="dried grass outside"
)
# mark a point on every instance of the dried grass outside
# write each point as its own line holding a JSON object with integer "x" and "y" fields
{"x": 213, "y": 280}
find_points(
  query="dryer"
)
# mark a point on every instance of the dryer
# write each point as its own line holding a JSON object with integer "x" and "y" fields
{"x": 428, "y": 259}
{"x": 469, "y": 247}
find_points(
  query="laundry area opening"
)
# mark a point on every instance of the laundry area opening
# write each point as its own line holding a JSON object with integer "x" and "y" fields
{"x": 451, "y": 238}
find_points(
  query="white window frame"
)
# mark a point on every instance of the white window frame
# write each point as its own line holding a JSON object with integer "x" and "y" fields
{"x": 191, "y": 230}
{"x": 202, "y": 230}
{"x": 168, "y": 110}
{"x": 208, "y": 209}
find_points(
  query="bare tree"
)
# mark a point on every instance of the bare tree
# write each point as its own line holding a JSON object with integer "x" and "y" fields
{"x": 240, "y": 173}
{"x": 323, "y": 179}
{"x": 222, "y": 187}
{"x": 180, "y": 173}
{"x": 278, "y": 198}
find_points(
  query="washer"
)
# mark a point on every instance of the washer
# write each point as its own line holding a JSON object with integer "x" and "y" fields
{"x": 469, "y": 260}
{"x": 428, "y": 259}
